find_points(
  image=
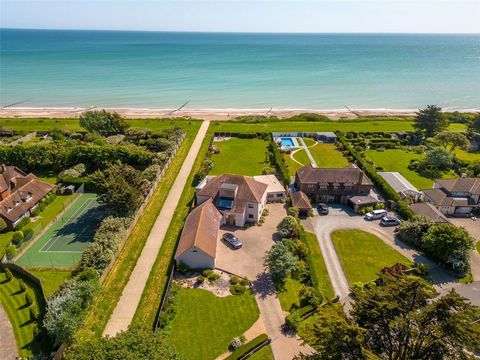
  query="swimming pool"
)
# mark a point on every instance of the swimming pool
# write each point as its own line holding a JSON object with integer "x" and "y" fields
{"x": 287, "y": 142}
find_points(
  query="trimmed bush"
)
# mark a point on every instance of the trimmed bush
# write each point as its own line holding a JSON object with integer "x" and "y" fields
{"x": 250, "y": 347}
{"x": 237, "y": 289}
{"x": 8, "y": 274}
{"x": 21, "y": 285}
{"x": 17, "y": 238}
{"x": 22, "y": 223}
{"x": 11, "y": 251}
{"x": 28, "y": 234}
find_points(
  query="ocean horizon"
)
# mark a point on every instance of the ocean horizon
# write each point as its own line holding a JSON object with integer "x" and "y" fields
{"x": 145, "y": 69}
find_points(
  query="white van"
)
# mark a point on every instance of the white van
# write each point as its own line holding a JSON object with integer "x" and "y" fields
{"x": 375, "y": 214}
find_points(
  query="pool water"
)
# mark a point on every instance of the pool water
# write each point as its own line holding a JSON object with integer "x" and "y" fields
{"x": 287, "y": 142}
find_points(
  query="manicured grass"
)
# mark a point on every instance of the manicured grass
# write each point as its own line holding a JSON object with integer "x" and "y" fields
{"x": 189, "y": 125}
{"x": 363, "y": 254}
{"x": 240, "y": 156}
{"x": 265, "y": 353}
{"x": 478, "y": 246}
{"x": 289, "y": 296}
{"x": 292, "y": 165}
{"x": 364, "y": 125}
{"x": 308, "y": 141}
{"x": 467, "y": 156}
{"x": 318, "y": 269}
{"x": 116, "y": 279}
{"x": 398, "y": 160}
{"x": 157, "y": 280}
{"x": 13, "y": 302}
{"x": 301, "y": 156}
{"x": 5, "y": 239}
{"x": 51, "y": 279}
{"x": 327, "y": 156}
{"x": 205, "y": 324}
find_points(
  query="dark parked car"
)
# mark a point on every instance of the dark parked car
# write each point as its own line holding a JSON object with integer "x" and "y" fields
{"x": 232, "y": 240}
{"x": 322, "y": 209}
{"x": 389, "y": 221}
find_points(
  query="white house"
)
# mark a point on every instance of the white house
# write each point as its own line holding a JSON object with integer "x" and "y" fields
{"x": 197, "y": 246}
{"x": 275, "y": 189}
{"x": 239, "y": 198}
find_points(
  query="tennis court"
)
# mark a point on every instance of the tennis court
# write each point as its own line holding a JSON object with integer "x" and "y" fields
{"x": 64, "y": 242}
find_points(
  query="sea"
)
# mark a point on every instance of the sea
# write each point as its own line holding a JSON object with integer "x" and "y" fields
{"x": 127, "y": 69}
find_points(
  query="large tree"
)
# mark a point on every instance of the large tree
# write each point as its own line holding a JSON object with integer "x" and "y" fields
{"x": 121, "y": 188}
{"x": 135, "y": 343}
{"x": 430, "y": 120}
{"x": 452, "y": 140}
{"x": 280, "y": 262}
{"x": 474, "y": 124}
{"x": 401, "y": 318}
{"x": 103, "y": 122}
{"x": 438, "y": 159}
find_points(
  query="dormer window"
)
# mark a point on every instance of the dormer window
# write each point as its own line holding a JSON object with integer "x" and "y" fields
{"x": 28, "y": 197}
{"x": 16, "y": 202}
{"x": 9, "y": 209}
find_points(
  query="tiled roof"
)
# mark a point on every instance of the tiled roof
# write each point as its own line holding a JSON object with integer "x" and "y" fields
{"x": 469, "y": 185}
{"x": 347, "y": 176}
{"x": 249, "y": 190}
{"x": 440, "y": 198}
{"x": 428, "y": 210}
{"x": 300, "y": 200}
{"x": 201, "y": 229}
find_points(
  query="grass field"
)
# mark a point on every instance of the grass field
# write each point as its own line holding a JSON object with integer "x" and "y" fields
{"x": 240, "y": 156}
{"x": 398, "y": 160}
{"x": 291, "y": 164}
{"x": 318, "y": 269}
{"x": 467, "y": 156}
{"x": 264, "y": 353}
{"x": 327, "y": 156}
{"x": 289, "y": 297}
{"x": 205, "y": 325}
{"x": 13, "y": 302}
{"x": 64, "y": 242}
{"x": 301, "y": 156}
{"x": 116, "y": 279}
{"x": 51, "y": 279}
{"x": 363, "y": 254}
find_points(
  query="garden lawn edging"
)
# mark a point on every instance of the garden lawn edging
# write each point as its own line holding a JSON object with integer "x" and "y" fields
{"x": 246, "y": 350}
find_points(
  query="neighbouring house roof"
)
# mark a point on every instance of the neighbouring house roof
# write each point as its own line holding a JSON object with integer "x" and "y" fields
{"x": 248, "y": 190}
{"x": 24, "y": 192}
{"x": 468, "y": 185}
{"x": 347, "y": 176}
{"x": 273, "y": 184}
{"x": 363, "y": 200}
{"x": 300, "y": 200}
{"x": 428, "y": 210}
{"x": 440, "y": 198}
{"x": 201, "y": 230}
{"x": 398, "y": 182}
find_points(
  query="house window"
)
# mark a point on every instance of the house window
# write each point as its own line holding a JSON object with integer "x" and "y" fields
{"x": 323, "y": 187}
{"x": 194, "y": 250}
{"x": 250, "y": 206}
{"x": 16, "y": 203}
{"x": 279, "y": 195}
{"x": 310, "y": 186}
{"x": 348, "y": 187}
{"x": 250, "y": 216}
{"x": 9, "y": 209}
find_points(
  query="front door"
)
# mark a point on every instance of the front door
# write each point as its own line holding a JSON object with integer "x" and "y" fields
{"x": 231, "y": 220}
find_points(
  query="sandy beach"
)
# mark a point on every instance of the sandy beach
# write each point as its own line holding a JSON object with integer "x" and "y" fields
{"x": 207, "y": 114}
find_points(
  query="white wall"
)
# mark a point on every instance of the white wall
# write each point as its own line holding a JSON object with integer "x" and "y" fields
{"x": 196, "y": 259}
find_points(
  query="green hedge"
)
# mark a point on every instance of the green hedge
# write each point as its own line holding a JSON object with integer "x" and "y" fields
{"x": 277, "y": 159}
{"x": 254, "y": 345}
{"x": 387, "y": 191}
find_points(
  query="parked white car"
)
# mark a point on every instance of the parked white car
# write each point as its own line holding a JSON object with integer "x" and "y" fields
{"x": 375, "y": 214}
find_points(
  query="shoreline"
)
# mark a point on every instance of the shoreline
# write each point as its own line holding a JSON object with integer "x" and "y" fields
{"x": 205, "y": 114}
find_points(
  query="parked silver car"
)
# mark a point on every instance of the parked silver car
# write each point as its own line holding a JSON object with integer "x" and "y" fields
{"x": 232, "y": 240}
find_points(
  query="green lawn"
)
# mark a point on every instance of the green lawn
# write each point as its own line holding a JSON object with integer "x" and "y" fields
{"x": 205, "y": 325}
{"x": 365, "y": 125}
{"x": 327, "y": 156}
{"x": 13, "y": 302}
{"x": 398, "y": 160}
{"x": 240, "y": 156}
{"x": 289, "y": 296}
{"x": 51, "y": 279}
{"x": 309, "y": 141}
{"x": 301, "y": 156}
{"x": 467, "y": 156}
{"x": 291, "y": 164}
{"x": 116, "y": 279}
{"x": 318, "y": 270}
{"x": 363, "y": 254}
{"x": 264, "y": 353}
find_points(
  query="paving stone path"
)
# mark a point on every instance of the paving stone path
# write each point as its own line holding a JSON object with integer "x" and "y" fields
{"x": 125, "y": 310}
{"x": 8, "y": 344}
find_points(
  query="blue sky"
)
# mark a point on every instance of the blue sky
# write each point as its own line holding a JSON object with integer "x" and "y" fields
{"x": 404, "y": 16}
